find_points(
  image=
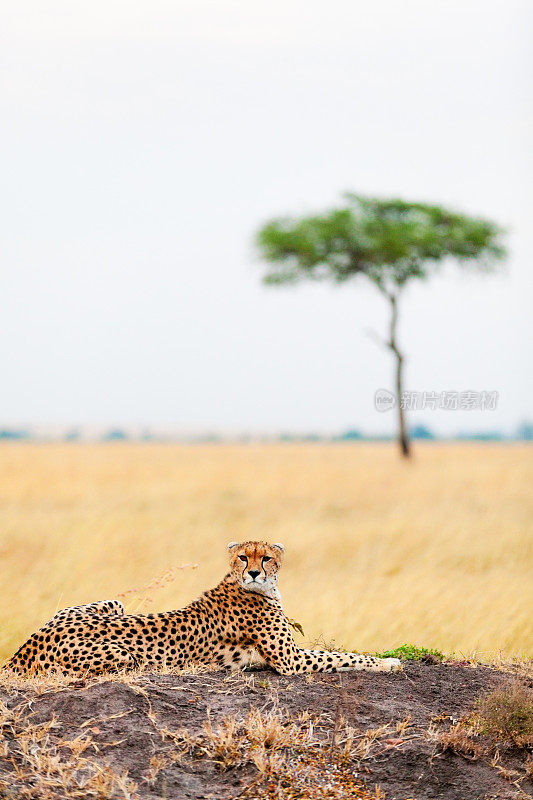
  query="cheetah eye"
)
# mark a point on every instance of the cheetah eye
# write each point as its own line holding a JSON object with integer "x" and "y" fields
{"x": 243, "y": 558}
{"x": 266, "y": 558}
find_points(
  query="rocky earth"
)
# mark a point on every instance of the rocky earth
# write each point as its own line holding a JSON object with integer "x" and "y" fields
{"x": 259, "y": 735}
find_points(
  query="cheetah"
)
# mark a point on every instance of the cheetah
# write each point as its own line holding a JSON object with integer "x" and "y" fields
{"x": 240, "y": 623}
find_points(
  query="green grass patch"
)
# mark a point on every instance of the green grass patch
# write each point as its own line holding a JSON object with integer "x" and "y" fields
{"x": 411, "y": 652}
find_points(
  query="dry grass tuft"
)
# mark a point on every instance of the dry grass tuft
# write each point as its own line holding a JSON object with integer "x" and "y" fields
{"x": 138, "y": 598}
{"x": 256, "y": 738}
{"x": 507, "y": 715}
{"x": 503, "y": 720}
{"x": 462, "y": 740}
{"x": 44, "y": 767}
{"x": 51, "y": 682}
{"x": 288, "y": 754}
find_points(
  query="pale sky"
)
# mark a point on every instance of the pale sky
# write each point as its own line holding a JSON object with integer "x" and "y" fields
{"x": 143, "y": 145}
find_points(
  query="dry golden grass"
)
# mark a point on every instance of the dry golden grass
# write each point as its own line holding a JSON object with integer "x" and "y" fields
{"x": 294, "y": 757}
{"x": 43, "y": 766}
{"x": 438, "y": 552}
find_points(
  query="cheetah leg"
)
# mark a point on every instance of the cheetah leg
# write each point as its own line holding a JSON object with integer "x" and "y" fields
{"x": 333, "y": 660}
{"x": 107, "y": 658}
{"x": 100, "y": 608}
{"x": 239, "y": 657}
{"x": 34, "y": 656}
{"x": 75, "y": 659}
{"x": 302, "y": 660}
{"x": 252, "y": 660}
{"x": 255, "y": 661}
{"x": 276, "y": 644}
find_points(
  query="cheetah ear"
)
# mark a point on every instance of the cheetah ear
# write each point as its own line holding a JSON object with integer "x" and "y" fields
{"x": 279, "y": 546}
{"x": 231, "y": 545}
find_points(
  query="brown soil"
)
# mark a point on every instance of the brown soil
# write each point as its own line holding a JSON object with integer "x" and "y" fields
{"x": 153, "y": 726}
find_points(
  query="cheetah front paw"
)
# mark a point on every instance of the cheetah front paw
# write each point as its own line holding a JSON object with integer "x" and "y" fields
{"x": 390, "y": 665}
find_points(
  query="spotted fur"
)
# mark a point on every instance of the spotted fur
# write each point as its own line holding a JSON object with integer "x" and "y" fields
{"x": 238, "y": 623}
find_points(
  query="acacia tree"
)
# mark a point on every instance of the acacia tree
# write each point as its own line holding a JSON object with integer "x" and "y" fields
{"x": 389, "y": 242}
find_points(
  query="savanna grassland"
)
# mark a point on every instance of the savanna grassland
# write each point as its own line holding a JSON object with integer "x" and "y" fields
{"x": 438, "y": 552}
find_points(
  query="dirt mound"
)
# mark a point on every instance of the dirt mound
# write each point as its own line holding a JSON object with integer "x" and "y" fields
{"x": 257, "y": 735}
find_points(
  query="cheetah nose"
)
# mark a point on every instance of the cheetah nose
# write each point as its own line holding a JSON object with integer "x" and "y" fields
{"x": 254, "y": 573}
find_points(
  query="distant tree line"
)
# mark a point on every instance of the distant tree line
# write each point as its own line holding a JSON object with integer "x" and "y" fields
{"x": 523, "y": 432}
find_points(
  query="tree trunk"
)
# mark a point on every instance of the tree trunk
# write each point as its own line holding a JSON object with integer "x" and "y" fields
{"x": 403, "y": 436}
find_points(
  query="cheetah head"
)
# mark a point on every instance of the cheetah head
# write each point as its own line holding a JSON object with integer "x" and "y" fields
{"x": 255, "y": 565}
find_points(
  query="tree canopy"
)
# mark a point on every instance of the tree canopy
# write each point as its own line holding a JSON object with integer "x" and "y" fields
{"x": 389, "y": 241}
